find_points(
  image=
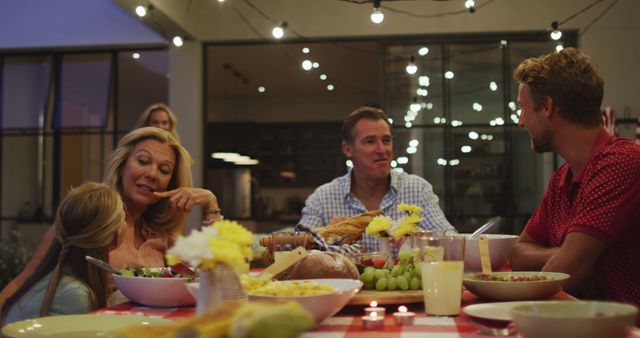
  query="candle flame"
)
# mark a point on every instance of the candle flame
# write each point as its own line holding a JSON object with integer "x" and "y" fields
{"x": 373, "y": 314}
{"x": 373, "y": 304}
{"x": 402, "y": 308}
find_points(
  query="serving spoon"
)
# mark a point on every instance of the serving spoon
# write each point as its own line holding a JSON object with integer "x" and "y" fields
{"x": 485, "y": 227}
{"x": 103, "y": 265}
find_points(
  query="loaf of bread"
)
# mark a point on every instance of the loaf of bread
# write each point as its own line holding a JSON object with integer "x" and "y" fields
{"x": 321, "y": 264}
{"x": 348, "y": 231}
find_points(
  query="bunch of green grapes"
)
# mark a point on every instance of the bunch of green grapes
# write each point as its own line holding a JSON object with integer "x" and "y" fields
{"x": 402, "y": 277}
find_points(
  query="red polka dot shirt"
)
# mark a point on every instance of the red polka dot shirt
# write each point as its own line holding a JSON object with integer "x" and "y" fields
{"x": 603, "y": 201}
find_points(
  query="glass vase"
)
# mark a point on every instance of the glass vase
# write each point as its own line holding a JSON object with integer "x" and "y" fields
{"x": 217, "y": 287}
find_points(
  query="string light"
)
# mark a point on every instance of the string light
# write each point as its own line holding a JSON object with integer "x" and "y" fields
{"x": 377, "y": 16}
{"x": 423, "y": 51}
{"x": 412, "y": 68}
{"x": 470, "y": 5}
{"x": 141, "y": 11}
{"x": 323, "y": 77}
{"x": 261, "y": 89}
{"x": 306, "y": 50}
{"x": 178, "y": 41}
{"x": 135, "y": 56}
{"x": 415, "y": 106}
{"x": 278, "y": 31}
{"x": 330, "y": 87}
{"x": 307, "y": 65}
{"x": 555, "y": 34}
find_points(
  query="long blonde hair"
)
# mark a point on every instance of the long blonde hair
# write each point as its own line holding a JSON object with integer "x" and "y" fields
{"x": 143, "y": 120}
{"x": 159, "y": 215}
{"x": 87, "y": 221}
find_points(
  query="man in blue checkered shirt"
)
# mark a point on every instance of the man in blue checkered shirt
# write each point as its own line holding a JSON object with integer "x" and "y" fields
{"x": 370, "y": 184}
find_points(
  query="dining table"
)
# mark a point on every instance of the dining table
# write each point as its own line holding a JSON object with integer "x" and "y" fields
{"x": 347, "y": 323}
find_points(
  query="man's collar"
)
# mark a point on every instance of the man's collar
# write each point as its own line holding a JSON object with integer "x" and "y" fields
{"x": 601, "y": 140}
{"x": 347, "y": 179}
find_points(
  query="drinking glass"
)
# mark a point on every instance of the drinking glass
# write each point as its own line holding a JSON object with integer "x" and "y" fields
{"x": 442, "y": 280}
{"x": 427, "y": 245}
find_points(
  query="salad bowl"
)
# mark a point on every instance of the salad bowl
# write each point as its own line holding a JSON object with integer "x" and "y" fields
{"x": 155, "y": 287}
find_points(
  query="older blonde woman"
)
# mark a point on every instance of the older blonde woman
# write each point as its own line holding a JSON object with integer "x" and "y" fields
{"x": 152, "y": 173}
{"x": 159, "y": 115}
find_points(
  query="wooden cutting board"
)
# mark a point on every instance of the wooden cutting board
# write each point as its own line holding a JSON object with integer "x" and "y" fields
{"x": 364, "y": 297}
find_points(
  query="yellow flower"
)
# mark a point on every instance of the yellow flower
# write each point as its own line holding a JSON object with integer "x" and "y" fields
{"x": 171, "y": 259}
{"x": 234, "y": 232}
{"x": 411, "y": 209}
{"x": 229, "y": 253}
{"x": 404, "y": 227}
{"x": 414, "y": 219}
{"x": 225, "y": 242}
{"x": 378, "y": 225}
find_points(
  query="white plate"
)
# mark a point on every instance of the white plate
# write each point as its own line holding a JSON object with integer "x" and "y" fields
{"x": 76, "y": 325}
{"x": 494, "y": 311}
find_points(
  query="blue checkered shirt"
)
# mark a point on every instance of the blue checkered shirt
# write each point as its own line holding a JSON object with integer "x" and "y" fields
{"x": 335, "y": 199}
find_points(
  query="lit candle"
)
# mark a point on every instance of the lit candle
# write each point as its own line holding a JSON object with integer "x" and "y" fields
{"x": 403, "y": 317}
{"x": 373, "y": 308}
{"x": 372, "y": 321}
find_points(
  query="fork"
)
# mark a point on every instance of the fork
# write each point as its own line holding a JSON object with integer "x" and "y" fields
{"x": 508, "y": 330}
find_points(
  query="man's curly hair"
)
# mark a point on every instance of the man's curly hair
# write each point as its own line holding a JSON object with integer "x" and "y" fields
{"x": 571, "y": 78}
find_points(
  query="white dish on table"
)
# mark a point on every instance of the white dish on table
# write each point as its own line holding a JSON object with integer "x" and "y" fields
{"x": 500, "y": 247}
{"x": 516, "y": 290}
{"x": 76, "y": 326}
{"x": 574, "y": 319}
{"x": 500, "y": 311}
{"x": 155, "y": 291}
{"x": 321, "y": 307}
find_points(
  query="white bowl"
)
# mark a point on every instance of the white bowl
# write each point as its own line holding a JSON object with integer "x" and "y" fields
{"x": 499, "y": 249}
{"x": 574, "y": 319}
{"x": 321, "y": 307}
{"x": 155, "y": 291}
{"x": 509, "y": 290}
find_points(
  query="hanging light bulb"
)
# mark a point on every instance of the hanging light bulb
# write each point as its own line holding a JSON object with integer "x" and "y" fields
{"x": 307, "y": 65}
{"x": 415, "y": 106}
{"x": 470, "y": 5}
{"x": 412, "y": 68}
{"x": 141, "y": 11}
{"x": 555, "y": 34}
{"x": 278, "y": 31}
{"x": 177, "y": 41}
{"x": 377, "y": 16}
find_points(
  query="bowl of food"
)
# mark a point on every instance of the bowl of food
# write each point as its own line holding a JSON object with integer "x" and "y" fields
{"x": 574, "y": 319}
{"x": 516, "y": 285}
{"x": 321, "y": 297}
{"x": 499, "y": 250}
{"x": 160, "y": 287}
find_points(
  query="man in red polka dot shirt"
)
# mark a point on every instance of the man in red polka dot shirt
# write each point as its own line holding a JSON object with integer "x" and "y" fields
{"x": 588, "y": 222}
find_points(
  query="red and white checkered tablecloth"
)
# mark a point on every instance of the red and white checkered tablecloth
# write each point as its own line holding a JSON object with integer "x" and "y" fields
{"x": 348, "y": 322}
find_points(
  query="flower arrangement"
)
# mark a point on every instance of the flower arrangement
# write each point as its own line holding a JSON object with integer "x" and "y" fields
{"x": 384, "y": 226}
{"x": 223, "y": 242}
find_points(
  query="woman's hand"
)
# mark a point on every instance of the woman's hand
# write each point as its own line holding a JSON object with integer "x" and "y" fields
{"x": 184, "y": 199}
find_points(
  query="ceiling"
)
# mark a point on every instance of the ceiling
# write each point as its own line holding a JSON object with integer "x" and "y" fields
{"x": 238, "y": 70}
